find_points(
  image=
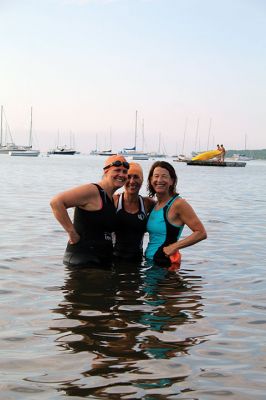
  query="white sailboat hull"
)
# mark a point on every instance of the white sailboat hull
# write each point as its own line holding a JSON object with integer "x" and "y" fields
{"x": 25, "y": 153}
{"x": 12, "y": 147}
{"x": 140, "y": 157}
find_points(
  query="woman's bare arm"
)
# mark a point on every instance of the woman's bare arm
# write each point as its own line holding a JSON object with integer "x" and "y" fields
{"x": 182, "y": 212}
{"x": 80, "y": 196}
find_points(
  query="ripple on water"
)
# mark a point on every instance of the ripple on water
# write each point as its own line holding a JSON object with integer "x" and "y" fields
{"x": 133, "y": 333}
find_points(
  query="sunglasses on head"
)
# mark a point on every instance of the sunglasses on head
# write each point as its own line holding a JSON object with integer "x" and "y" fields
{"x": 118, "y": 163}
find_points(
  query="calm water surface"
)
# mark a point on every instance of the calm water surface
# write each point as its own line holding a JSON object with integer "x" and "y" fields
{"x": 133, "y": 333}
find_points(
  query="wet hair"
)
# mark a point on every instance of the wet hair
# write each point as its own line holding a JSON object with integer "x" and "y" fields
{"x": 166, "y": 165}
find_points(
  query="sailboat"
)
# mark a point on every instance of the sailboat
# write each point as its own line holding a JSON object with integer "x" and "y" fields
{"x": 243, "y": 156}
{"x": 95, "y": 151}
{"x": 158, "y": 154}
{"x": 26, "y": 151}
{"x": 182, "y": 157}
{"x": 63, "y": 150}
{"x": 109, "y": 152}
{"x": 6, "y": 147}
{"x": 133, "y": 152}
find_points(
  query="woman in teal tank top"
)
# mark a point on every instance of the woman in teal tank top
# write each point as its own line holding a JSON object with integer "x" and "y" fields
{"x": 169, "y": 216}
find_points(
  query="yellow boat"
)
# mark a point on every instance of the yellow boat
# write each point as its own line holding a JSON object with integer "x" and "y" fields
{"x": 207, "y": 155}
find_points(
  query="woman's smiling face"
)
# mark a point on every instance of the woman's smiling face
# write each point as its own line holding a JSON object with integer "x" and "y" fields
{"x": 117, "y": 176}
{"x": 161, "y": 180}
{"x": 133, "y": 183}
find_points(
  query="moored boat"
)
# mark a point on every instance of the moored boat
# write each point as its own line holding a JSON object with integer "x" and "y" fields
{"x": 25, "y": 153}
{"x": 15, "y": 150}
{"x": 106, "y": 153}
{"x": 181, "y": 158}
{"x": 6, "y": 147}
{"x": 140, "y": 157}
{"x": 62, "y": 150}
{"x": 239, "y": 157}
{"x": 133, "y": 152}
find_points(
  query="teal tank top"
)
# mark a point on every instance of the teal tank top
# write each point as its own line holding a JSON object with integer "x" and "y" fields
{"x": 157, "y": 228}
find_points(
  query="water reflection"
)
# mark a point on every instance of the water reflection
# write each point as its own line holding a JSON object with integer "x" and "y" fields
{"x": 136, "y": 325}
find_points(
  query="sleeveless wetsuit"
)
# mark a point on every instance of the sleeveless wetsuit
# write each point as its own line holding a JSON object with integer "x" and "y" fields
{"x": 161, "y": 234}
{"x": 95, "y": 228}
{"x": 129, "y": 231}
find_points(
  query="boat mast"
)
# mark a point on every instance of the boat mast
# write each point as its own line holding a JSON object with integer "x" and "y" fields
{"x": 30, "y": 137}
{"x": 136, "y": 128}
{"x": 1, "y": 132}
{"x": 184, "y": 136}
{"x": 196, "y": 136}
{"x": 142, "y": 134}
{"x": 209, "y": 134}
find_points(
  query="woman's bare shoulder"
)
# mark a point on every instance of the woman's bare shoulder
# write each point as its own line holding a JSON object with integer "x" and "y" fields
{"x": 180, "y": 202}
{"x": 78, "y": 195}
{"x": 149, "y": 202}
{"x": 116, "y": 198}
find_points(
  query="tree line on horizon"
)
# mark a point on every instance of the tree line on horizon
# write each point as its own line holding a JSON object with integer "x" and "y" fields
{"x": 256, "y": 154}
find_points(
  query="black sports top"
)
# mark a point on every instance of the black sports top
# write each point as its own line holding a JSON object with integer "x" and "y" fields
{"x": 129, "y": 231}
{"x": 95, "y": 229}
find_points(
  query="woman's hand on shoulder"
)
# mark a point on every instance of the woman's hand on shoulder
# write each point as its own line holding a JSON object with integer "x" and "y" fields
{"x": 149, "y": 203}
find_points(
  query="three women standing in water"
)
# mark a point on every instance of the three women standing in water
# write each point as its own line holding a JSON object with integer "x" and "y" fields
{"x": 97, "y": 215}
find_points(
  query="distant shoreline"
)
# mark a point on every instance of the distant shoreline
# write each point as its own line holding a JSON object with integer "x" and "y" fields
{"x": 255, "y": 154}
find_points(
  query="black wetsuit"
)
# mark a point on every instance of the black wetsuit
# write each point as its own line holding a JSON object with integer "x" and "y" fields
{"x": 129, "y": 231}
{"x": 95, "y": 228}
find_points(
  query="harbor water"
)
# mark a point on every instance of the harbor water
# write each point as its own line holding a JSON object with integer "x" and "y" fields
{"x": 133, "y": 332}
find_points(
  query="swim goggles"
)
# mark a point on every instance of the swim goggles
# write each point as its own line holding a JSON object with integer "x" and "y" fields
{"x": 118, "y": 163}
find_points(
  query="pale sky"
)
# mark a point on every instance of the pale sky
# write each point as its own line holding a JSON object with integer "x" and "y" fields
{"x": 86, "y": 66}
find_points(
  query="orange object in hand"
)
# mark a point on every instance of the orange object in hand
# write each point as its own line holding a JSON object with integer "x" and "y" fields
{"x": 175, "y": 261}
